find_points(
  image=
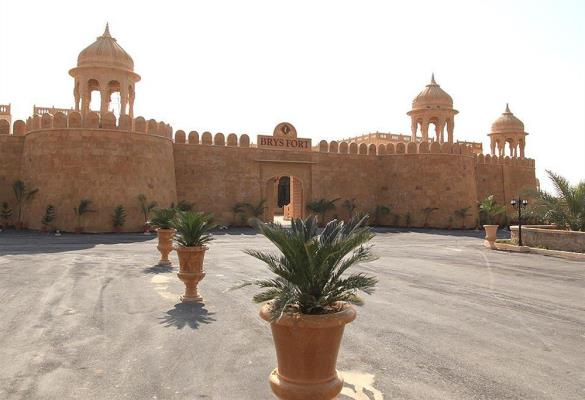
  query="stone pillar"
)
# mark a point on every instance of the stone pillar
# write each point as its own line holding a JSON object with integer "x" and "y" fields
{"x": 493, "y": 145}
{"x": 413, "y": 128}
{"x": 450, "y": 128}
{"x": 522, "y": 149}
{"x": 425, "y": 130}
{"x": 105, "y": 94}
{"x": 76, "y": 95}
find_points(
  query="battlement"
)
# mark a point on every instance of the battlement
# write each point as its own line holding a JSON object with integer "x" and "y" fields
{"x": 92, "y": 120}
{"x": 207, "y": 139}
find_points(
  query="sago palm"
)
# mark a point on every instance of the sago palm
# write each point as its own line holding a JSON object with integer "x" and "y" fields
{"x": 491, "y": 209}
{"x": 320, "y": 207}
{"x": 163, "y": 218}
{"x": 83, "y": 208}
{"x": 192, "y": 229}
{"x": 310, "y": 268}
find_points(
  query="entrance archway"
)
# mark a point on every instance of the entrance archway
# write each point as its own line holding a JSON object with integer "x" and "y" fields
{"x": 284, "y": 198}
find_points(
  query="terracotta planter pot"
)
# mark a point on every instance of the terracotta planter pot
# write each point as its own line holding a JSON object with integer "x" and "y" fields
{"x": 306, "y": 352}
{"x": 191, "y": 271}
{"x": 490, "y": 235}
{"x": 165, "y": 245}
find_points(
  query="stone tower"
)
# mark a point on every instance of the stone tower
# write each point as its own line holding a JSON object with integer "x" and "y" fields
{"x": 105, "y": 67}
{"x": 507, "y": 129}
{"x": 433, "y": 106}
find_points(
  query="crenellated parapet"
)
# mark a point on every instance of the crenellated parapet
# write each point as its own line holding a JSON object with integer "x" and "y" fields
{"x": 208, "y": 139}
{"x": 407, "y": 147}
{"x": 91, "y": 120}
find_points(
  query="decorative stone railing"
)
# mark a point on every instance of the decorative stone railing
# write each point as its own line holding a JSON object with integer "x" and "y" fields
{"x": 550, "y": 238}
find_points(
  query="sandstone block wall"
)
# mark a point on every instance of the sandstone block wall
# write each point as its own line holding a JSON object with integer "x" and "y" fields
{"x": 552, "y": 239}
{"x": 107, "y": 166}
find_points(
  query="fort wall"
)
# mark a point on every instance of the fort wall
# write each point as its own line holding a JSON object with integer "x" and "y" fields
{"x": 111, "y": 162}
{"x": 107, "y": 165}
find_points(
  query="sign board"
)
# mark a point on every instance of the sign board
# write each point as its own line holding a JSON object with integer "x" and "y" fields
{"x": 284, "y": 138}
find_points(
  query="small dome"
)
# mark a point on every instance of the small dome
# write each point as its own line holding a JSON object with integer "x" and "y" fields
{"x": 507, "y": 123}
{"x": 105, "y": 52}
{"x": 432, "y": 97}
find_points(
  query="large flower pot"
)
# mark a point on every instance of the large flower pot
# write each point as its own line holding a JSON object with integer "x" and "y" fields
{"x": 306, "y": 352}
{"x": 191, "y": 271}
{"x": 490, "y": 236}
{"x": 165, "y": 245}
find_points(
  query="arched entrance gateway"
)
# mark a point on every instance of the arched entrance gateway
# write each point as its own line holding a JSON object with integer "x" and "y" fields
{"x": 286, "y": 181}
{"x": 284, "y": 198}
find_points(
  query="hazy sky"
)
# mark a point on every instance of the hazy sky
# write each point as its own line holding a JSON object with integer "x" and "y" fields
{"x": 331, "y": 68}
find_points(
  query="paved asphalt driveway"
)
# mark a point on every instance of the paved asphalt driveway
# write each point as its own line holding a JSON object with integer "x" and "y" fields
{"x": 93, "y": 317}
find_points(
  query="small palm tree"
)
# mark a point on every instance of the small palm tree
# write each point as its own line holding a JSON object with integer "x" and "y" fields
{"x": 163, "y": 218}
{"x": 119, "y": 216}
{"x": 146, "y": 206}
{"x": 565, "y": 208}
{"x": 427, "y": 212}
{"x": 184, "y": 205}
{"x": 5, "y": 213}
{"x": 320, "y": 208}
{"x": 49, "y": 216}
{"x": 380, "y": 211}
{"x": 350, "y": 205}
{"x": 83, "y": 208}
{"x": 310, "y": 267}
{"x": 462, "y": 213}
{"x": 239, "y": 210}
{"x": 255, "y": 210}
{"x": 490, "y": 209}
{"x": 23, "y": 195}
{"x": 192, "y": 229}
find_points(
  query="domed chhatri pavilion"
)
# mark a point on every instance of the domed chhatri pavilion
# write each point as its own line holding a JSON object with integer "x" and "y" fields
{"x": 111, "y": 157}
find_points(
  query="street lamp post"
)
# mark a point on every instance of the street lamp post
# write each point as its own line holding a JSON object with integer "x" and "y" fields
{"x": 519, "y": 204}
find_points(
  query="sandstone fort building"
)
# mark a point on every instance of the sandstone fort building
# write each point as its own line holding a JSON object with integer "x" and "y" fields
{"x": 113, "y": 157}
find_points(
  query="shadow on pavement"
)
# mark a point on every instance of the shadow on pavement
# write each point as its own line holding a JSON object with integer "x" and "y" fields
{"x": 187, "y": 314}
{"x": 33, "y": 242}
{"x": 158, "y": 269}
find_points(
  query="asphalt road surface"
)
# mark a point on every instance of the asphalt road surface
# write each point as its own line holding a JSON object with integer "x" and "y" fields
{"x": 93, "y": 317}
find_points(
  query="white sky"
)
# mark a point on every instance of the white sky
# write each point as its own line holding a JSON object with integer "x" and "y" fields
{"x": 331, "y": 68}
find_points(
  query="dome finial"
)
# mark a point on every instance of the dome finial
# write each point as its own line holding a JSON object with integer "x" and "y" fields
{"x": 433, "y": 79}
{"x": 107, "y": 30}
{"x": 508, "y": 109}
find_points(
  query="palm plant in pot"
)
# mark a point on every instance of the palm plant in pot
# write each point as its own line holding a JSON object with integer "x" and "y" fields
{"x": 309, "y": 300}
{"x": 48, "y": 218}
{"x": 462, "y": 214}
{"x": 118, "y": 218}
{"x": 22, "y": 195}
{"x": 191, "y": 236}
{"x": 162, "y": 221}
{"x": 84, "y": 207}
{"x": 146, "y": 207}
{"x": 490, "y": 210}
{"x": 321, "y": 207}
{"x": 5, "y": 214}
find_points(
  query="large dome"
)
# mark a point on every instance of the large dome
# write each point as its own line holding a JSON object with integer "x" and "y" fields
{"x": 432, "y": 96}
{"x": 105, "y": 52}
{"x": 507, "y": 123}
